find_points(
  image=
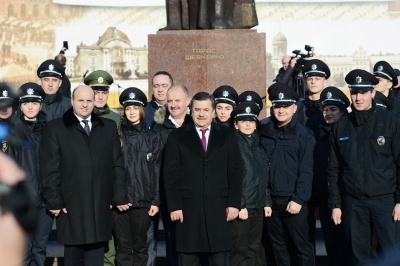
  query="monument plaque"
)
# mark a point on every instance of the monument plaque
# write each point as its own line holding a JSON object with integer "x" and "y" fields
{"x": 203, "y": 60}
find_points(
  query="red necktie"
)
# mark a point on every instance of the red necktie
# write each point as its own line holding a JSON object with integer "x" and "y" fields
{"x": 203, "y": 138}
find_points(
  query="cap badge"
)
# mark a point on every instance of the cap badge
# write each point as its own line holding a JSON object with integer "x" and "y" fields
{"x": 380, "y": 68}
{"x": 248, "y": 110}
{"x": 4, "y": 145}
{"x": 30, "y": 91}
{"x": 380, "y": 140}
{"x": 358, "y": 80}
{"x": 100, "y": 79}
{"x": 51, "y": 67}
{"x": 132, "y": 95}
{"x": 281, "y": 96}
{"x": 5, "y": 93}
{"x": 329, "y": 95}
{"x": 249, "y": 98}
{"x": 313, "y": 66}
{"x": 225, "y": 94}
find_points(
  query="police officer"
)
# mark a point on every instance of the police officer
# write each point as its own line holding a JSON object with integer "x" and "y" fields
{"x": 55, "y": 104}
{"x": 33, "y": 121}
{"x": 387, "y": 78}
{"x": 334, "y": 106}
{"x": 247, "y": 229}
{"x": 289, "y": 146}
{"x": 364, "y": 160}
{"x": 317, "y": 74}
{"x": 100, "y": 81}
{"x": 8, "y": 104}
{"x": 225, "y": 100}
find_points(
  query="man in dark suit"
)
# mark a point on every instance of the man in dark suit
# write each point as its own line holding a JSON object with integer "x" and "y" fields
{"x": 82, "y": 172}
{"x": 203, "y": 182}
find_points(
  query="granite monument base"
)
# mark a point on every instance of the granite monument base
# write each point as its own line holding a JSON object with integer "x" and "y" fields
{"x": 203, "y": 60}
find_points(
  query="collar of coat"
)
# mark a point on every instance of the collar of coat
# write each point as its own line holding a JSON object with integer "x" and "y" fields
{"x": 70, "y": 119}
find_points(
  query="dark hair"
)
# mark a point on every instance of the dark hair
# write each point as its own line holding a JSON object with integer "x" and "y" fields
{"x": 60, "y": 58}
{"x": 162, "y": 73}
{"x": 203, "y": 96}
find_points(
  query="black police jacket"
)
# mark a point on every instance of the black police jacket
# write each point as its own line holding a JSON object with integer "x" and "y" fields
{"x": 310, "y": 113}
{"x": 290, "y": 159}
{"x": 55, "y": 105}
{"x": 255, "y": 192}
{"x": 320, "y": 191}
{"x": 142, "y": 153}
{"x": 28, "y": 155}
{"x": 365, "y": 145}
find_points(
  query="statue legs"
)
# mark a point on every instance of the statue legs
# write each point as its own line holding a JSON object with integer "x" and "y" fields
{"x": 220, "y": 14}
{"x": 174, "y": 15}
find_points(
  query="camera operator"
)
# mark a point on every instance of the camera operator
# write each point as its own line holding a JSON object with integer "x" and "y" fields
{"x": 65, "y": 84}
{"x": 288, "y": 71}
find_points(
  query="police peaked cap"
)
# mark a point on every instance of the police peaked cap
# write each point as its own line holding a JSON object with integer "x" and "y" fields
{"x": 384, "y": 70}
{"x": 316, "y": 67}
{"x": 246, "y": 111}
{"x": 251, "y": 96}
{"x": 359, "y": 80}
{"x": 281, "y": 94}
{"x": 99, "y": 80}
{"x": 7, "y": 96}
{"x": 51, "y": 68}
{"x": 226, "y": 94}
{"x": 334, "y": 96}
{"x": 31, "y": 92}
{"x": 133, "y": 96}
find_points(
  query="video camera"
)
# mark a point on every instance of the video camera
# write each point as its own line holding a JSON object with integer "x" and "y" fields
{"x": 299, "y": 87}
{"x": 303, "y": 56}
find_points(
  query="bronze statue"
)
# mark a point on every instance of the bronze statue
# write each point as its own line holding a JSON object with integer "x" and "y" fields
{"x": 210, "y": 14}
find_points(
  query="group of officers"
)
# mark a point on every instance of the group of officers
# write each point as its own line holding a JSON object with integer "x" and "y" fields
{"x": 321, "y": 162}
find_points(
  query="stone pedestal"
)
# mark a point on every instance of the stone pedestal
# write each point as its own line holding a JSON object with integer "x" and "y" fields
{"x": 203, "y": 60}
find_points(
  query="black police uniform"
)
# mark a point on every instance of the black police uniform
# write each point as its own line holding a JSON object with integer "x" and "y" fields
{"x": 246, "y": 234}
{"x": 9, "y": 142}
{"x": 382, "y": 101}
{"x": 54, "y": 105}
{"x": 384, "y": 70}
{"x": 290, "y": 161}
{"x": 142, "y": 152}
{"x": 363, "y": 172}
{"x": 28, "y": 159}
{"x": 335, "y": 242}
{"x": 225, "y": 94}
{"x": 310, "y": 111}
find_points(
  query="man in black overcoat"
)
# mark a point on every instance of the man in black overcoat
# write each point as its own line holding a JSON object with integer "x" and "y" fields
{"x": 83, "y": 174}
{"x": 203, "y": 182}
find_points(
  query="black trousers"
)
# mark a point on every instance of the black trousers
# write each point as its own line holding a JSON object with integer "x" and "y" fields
{"x": 193, "y": 259}
{"x": 84, "y": 255}
{"x": 130, "y": 229}
{"x": 337, "y": 247}
{"x": 289, "y": 235}
{"x": 170, "y": 237}
{"x": 359, "y": 216}
{"x": 37, "y": 241}
{"x": 246, "y": 235}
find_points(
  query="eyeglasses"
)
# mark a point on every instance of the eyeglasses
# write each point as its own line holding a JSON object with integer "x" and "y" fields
{"x": 162, "y": 85}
